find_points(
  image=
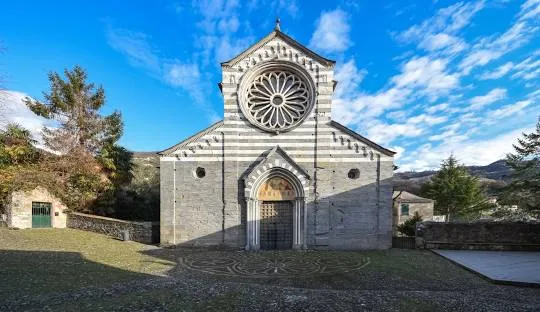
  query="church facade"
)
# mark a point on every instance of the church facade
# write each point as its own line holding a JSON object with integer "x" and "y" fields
{"x": 277, "y": 172}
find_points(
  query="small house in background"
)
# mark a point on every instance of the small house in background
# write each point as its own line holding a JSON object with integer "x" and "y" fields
{"x": 405, "y": 206}
{"x": 36, "y": 208}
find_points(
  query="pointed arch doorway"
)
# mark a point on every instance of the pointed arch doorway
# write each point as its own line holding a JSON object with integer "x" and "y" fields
{"x": 276, "y": 198}
{"x": 275, "y": 211}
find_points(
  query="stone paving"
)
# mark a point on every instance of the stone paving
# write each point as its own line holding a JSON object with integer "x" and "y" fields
{"x": 272, "y": 264}
{"x": 518, "y": 267}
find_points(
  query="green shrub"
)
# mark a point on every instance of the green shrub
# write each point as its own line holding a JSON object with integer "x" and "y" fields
{"x": 408, "y": 227}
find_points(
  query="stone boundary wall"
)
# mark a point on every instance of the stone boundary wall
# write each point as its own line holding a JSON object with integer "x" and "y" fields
{"x": 479, "y": 235}
{"x": 140, "y": 231}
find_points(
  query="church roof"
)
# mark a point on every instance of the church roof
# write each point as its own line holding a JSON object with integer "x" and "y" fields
{"x": 359, "y": 137}
{"x": 277, "y": 33}
{"x": 192, "y": 138}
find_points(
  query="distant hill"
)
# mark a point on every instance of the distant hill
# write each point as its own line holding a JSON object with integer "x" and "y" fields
{"x": 493, "y": 176}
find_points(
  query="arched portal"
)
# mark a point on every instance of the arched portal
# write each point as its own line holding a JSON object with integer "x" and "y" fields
{"x": 275, "y": 211}
{"x": 276, "y": 199}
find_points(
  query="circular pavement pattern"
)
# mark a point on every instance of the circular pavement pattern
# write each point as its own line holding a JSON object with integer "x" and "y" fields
{"x": 273, "y": 264}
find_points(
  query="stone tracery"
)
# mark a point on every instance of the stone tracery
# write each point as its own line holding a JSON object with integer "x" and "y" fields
{"x": 277, "y": 96}
{"x": 277, "y": 99}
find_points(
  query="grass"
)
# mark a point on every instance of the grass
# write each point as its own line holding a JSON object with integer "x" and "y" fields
{"x": 35, "y": 264}
{"x": 55, "y": 260}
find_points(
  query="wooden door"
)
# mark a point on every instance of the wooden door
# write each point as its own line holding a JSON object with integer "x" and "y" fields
{"x": 276, "y": 225}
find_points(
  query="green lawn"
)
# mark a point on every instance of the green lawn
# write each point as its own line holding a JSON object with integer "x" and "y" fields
{"x": 71, "y": 270}
{"x": 55, "y": 260}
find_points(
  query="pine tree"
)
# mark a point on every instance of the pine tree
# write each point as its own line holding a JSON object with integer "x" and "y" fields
{"x": 524, "y": 188}
{"x": 74, "y": 104}
{"x": 17, "y": 146}
{"x": 455, "y": 191}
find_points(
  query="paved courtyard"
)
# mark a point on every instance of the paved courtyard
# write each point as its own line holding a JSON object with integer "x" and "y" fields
{"x": 70, "y": 270}
{"x": 500, "y": 266}
{"x": 269, "y": 264}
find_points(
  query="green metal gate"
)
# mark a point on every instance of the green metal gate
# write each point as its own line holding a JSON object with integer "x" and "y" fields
{"x": 41, "y": 215}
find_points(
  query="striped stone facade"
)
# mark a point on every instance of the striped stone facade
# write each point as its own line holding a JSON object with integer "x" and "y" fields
{"x": 332, "y": 210}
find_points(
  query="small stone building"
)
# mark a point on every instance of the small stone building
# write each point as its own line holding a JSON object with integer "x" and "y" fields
{"x": 36, "y": 208}
{"x": 407, "y": 204}
{"x": 277, "y": 172}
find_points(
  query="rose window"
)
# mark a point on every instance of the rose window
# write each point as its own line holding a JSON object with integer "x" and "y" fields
{"x": 277, "y": 100}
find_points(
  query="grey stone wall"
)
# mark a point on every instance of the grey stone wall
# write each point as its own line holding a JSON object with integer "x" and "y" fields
{"x": 143, "y": 232}
{"x": 481, "y": 235}
{"x": 347, "y": 214}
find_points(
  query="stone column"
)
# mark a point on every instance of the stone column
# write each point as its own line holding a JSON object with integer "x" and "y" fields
{"x": 304, "y": 219}
{"x": 256, "y": 225}
{"x": 249, "y": 223}
{"x": 298, "y": 228}
{"x": 252, "y": 224}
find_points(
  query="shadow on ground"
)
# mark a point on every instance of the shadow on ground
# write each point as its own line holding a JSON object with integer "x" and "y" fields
{"x": 30, "y": 273}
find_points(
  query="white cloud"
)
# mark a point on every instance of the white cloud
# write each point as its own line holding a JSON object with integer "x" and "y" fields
{"x": 498, "y": 72}
{"x": 429, "y": 75}
{"x": 491, "y": 97}
{"x": 449, "y": 133}
{"x": 182, "y": 75}
{"x": 443, "y": 107}
{"x": 528, "y": 69}
{"x": 412, "y": 127}
{"x": 14, "y": 110}
{"x": 427, "y": 119}
{"x": 276, "y": 6}
{"x": 529, "y": 9}
{"x": 397, "y": 115}
{"x": 135, "y": 46}
{"x": 140, "y": 53}
{"x": 438, "y": 32}
{"x": 419, "y": 78}
{"x": 509, "y": 110}
{"x": 349, "y": 78}
{"x": 470, "y": 151}
{"x": 386, "y": 133}
{"x": 441, "y": 41}
{"x": 434, "y": 71}
{"x": 332, "y": 32}
{"x": 400, "y": 151}
{"x": 491, "y": 48}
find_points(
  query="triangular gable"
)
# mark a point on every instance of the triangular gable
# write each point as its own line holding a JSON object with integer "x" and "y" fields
{"x": 191, "y": 139}
{"x": 293, "y": 43}
{"x": 277, "y": 157}
{"x": 359, "y": 137}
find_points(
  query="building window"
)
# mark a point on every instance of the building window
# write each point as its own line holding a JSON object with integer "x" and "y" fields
{"x": 200, "y": 172}
{"x": 353, "y": 174}
{"x": 404, "y": 209}
{"x": 277, "y": 97}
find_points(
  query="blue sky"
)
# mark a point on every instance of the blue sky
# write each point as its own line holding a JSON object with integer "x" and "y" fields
{"x": 425, "y": 78}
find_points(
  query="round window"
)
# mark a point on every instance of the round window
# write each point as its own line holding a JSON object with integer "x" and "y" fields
{"x": 277, "y": 97}
{"x": 200, "y": 172}
{"x": 353, "y": 174}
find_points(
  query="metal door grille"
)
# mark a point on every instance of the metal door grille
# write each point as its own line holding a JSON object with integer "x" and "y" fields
{"x": 41, "y": 215}
{"x": 276, "y": 225}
